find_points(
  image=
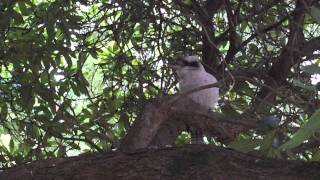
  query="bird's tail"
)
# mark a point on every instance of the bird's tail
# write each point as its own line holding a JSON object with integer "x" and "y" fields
{"x": 196, "y": 136}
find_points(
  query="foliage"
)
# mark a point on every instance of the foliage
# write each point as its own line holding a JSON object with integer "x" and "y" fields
{"x": 75, "y": 74}
{"x": 305, "y": 132}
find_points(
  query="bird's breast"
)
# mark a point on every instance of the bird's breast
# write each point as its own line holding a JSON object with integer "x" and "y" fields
{"x": 195, "y": 80}
{"x": 206, "y": 97}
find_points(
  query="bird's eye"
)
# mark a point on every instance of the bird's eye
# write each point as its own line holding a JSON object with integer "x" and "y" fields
{"x": 184, "y": 63}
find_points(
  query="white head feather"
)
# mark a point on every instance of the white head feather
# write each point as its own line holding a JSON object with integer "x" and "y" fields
{"x": 191, "y": 75}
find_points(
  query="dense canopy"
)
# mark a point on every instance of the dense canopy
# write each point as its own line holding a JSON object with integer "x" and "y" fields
{"x": 75, "y": 74}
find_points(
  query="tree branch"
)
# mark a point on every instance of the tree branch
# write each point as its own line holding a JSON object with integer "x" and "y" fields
{"x": 164, "y": 119}
{"x": 288, "y": 57}
{"x": 188, "y": 162}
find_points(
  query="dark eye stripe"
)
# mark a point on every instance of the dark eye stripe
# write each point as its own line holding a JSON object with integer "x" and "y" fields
{"x": 193, "y": 64}
{"x": 183, "y": 62}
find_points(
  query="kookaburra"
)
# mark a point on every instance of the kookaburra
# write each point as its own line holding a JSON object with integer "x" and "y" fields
{"x": 192, "y": 74}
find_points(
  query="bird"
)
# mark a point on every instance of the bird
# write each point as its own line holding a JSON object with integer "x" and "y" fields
{"x": 191, "y": 75}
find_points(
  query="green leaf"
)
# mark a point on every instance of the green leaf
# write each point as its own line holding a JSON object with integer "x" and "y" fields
{"x": 82, "y": 58}
{"x": 311, "y": 69}
{"x": 62, "y": 128}
{"x": 228, "y": 109}
{"x": 104, "y": 144}
{"x": 244, "y": 144}
{"x": 244, "y": 25}
{"x": 36, "y": 131}
{"x": 74, "y": 145}
{"x": 183, "y": 138}
{"x": 304, "y": 132}
{"x": 266, "y": 144}
{"x": 18, "y": 19}
{"x": 253, "y": 49}
{"x": 316, "y": 155}
{"x": 91, "y": 135}
{"x": 187, "y": 2}
{"x": 82, "y": 83}
{"x": 75, "y": 89}
{"x": 11, "y": 145}
{"x": 300, "y": 84}
{"x": 23, "y": 8}
{"x": 67, "y": 58}
{"x": 315, "y": 13}
{"x": 3, "y": 111}
{"x": 25, "y": 147}
{"x": 61, "y": 151}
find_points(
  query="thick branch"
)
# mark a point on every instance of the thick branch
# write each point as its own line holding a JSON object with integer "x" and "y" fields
{"x": 210, "y": 53}
{"x": 164, "y": 119}
{"x": 232, "y": 21}
{"x": 189, "y": 162}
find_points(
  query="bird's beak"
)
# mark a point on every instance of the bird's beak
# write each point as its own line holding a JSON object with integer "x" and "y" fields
{"x": 173, "y": 65}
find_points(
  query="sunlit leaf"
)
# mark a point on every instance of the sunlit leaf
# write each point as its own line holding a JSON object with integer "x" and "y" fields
{"x": 74, "y": 145}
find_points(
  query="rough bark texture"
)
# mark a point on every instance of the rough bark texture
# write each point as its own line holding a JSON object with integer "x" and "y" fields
{"x": 144, "y": 129}
{"x": 189, "y": 162}
{"x": 164, "y": 119}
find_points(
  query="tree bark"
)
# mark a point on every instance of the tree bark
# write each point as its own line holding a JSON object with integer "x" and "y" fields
{"x": 188, "y": 162}
{"x": 163, "y": 120}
